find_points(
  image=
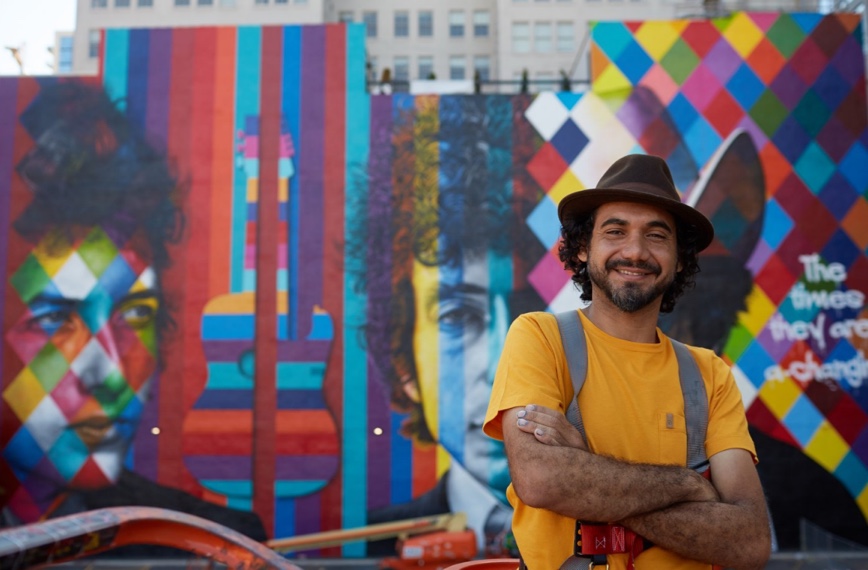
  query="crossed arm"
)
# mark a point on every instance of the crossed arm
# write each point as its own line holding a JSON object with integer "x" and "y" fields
{"x": 723, "y": 523}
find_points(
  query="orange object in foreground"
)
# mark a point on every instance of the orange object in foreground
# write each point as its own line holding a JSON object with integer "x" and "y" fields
{"x": 490, "y": 564}
{"x": 433, "y": 551}
{"x": 84, "y": 534}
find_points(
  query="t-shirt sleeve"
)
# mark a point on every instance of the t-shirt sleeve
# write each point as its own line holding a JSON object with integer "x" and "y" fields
{"x": 531, "y": 370}
{"x": 727, "y": 423}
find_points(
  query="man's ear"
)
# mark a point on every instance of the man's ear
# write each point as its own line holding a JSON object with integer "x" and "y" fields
{"x": 410, "y": 386}
{"x": 582, "y": 255}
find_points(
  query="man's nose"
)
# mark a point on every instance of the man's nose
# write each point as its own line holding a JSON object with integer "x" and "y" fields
{"x": 635, "y": 247}
{"x": 97, "y": 361}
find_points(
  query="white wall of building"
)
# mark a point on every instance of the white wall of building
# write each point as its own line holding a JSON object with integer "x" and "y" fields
{"x": 502, "y": 38}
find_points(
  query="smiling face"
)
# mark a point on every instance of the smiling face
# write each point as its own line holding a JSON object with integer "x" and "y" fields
{"x": 88, "y": 342}
{"x": 462, "y": 314}
{"x": 632, "y": 256}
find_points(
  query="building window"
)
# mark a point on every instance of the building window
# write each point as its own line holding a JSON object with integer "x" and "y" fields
{"x": 227, "y": 3}
{"x": 205, "y": 2}
{"x": 402, "y": 24}
{"x": 145, "y": 3}
{"x": 122, "y": 3}
{"x": 521, "y": 37}
{"x": 281, "y": 1}
{"x": 402, "y": 68}
{"x": 64, "y": 59}
{"x": 260, "y": 2}
{"x": 566, "y": 37}
{"x": 372, "y": 68}
{"x": 345, "y": 16}
{"x": 456, "y": 23}
{"x": 182, "y": 2}
{"x": 482, "y": 66}
{"x": 99, "y": 3}
{"x": 301, "y": 1}
{"x": 542, "y": 37}
{"x": 93, "y": 40}
{"x": 426, "y": 67}
{"x": 426, "y": 23}
{"x": 370, "y": 20}
{"x": 457, "y": 67}
{"x": 481, "y": 23}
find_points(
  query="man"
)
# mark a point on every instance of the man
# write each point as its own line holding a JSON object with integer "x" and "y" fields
{"x": 84, "y": 350}
{"x": 632, "y": 247}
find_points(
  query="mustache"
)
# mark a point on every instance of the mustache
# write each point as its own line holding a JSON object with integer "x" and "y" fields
{"x": 626, "y": 264}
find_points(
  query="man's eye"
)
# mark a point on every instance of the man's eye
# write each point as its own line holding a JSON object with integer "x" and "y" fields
{"x": 459, "y": 316}
{"x": 50, "y": 320}
{"x": 139, "y": 313}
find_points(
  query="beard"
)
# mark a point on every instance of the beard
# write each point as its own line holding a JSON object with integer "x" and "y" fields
{"x": 630, "y": 297}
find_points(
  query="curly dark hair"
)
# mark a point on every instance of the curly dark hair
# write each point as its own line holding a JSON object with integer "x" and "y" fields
{"x": 92, "y": 166}
{"x": 446, "y": 180}
{"x": 576, "y": 236}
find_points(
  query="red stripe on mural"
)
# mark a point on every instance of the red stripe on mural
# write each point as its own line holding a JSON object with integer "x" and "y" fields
{"x": 301, "y": 443}
{"x": 17, "y": 250}
{"x": 223, "y": 166}
{"x": 333, "y": 232}
{"x": 180, "y": 279}
{"x": 265, "y": 396}
{"x": 524, "y": 188}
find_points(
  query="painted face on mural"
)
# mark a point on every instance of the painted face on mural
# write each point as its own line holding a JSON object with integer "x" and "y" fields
{"x": 462, "y": 319}
{"x": 88, "y": 342}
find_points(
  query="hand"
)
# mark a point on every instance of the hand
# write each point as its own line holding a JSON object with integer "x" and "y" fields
{"x": 550, "y": 427}
{"x": 705, "y": 490}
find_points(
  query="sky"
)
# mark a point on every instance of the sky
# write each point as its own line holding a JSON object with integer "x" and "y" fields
{"x": 31, "y": 24}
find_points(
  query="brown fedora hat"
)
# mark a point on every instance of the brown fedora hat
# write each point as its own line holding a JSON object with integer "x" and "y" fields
{"x": 637, "y": 178}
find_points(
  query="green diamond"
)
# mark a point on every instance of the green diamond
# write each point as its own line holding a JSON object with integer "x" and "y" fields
{"x": 768, "y": 113}
{"x": 49, "y": 366}
{"x": 30, "y": 279}
{"x": 97, "y": 251}
{"x": 680, "y": 61}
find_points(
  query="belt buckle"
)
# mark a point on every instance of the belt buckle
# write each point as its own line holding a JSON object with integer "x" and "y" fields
{"x": 591, "y": 566}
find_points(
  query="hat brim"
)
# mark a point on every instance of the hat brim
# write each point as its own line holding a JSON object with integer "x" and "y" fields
{"x": 582, "y": 204}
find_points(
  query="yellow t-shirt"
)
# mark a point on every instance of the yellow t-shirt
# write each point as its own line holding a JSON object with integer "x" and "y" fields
{"x": 632, "y": 408}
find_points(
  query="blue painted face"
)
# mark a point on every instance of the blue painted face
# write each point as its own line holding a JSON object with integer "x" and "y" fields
{"x": 462, "y": 315}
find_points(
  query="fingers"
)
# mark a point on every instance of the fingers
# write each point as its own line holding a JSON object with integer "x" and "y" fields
{"x": 549, "y": 426}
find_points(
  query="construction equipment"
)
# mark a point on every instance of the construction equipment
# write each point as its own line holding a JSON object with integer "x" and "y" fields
{"x": 424, "y": 543}
{"x": 88, "y": 533}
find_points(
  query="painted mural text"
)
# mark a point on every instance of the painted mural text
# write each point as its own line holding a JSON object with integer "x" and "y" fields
{"x": 821, "y": 332}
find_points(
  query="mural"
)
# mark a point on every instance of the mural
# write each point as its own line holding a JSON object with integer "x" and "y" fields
{"x": 237, "y": 285}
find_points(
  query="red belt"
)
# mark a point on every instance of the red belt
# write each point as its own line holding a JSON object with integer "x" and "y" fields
{"x": 596, "y": 540}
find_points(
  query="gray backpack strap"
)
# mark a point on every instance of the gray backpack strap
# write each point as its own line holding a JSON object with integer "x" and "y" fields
{"x": 576, "y": 351}
{"x": 695, "y": 406}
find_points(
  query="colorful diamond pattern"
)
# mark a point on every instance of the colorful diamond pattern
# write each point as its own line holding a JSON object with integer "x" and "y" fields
{"x": 71, "y": 373}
